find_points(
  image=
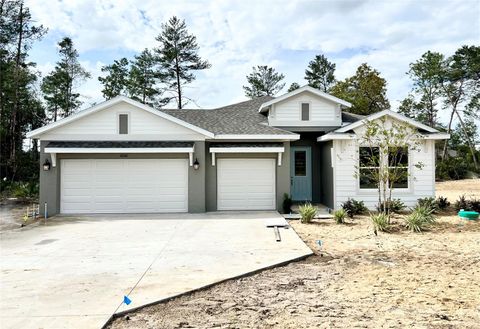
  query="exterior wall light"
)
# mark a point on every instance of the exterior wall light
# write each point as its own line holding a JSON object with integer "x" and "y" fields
{"x": 46, "y": 165}
{"x": 196, "y": 164}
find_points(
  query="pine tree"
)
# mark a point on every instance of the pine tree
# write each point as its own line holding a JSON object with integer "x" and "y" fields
{"x": 263, "y": 81}
{"x": 142, "y": 80}
{"x": 293, "y": 86}
{"x": 178, "y": 58}
{"x": 60, "y": 85}
{"x": 116, "y": 80}
{"x": 320, "y": 73}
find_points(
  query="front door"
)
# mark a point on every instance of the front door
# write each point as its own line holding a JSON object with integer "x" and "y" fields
{"x": 301, "y": 173}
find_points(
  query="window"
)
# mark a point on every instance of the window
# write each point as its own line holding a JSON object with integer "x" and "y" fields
{"x": 370, "y": 160}
{"x": 123, "y": 124}
{"x": 300, "y": 163}
{"x": 398, "y": 167}
{"x": 305, "y": 111}
{"x": 369, "y": 166}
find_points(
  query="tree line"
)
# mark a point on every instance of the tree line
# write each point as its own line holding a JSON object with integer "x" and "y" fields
{"x": 158, "y": 77}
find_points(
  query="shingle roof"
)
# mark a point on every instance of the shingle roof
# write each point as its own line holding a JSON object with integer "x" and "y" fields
{"x": 236, "y": 119}
{"x": 262, "y": 144}
{"x": 351, "y": 117}
{"x": 118, "y": 144}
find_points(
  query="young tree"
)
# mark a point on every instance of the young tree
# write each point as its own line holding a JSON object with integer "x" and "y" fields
{"x": 115, "y": 82}
{"x": 384, "y": 160}
{"x": 60, "y": 85}
{"x": 263, "y": 81}
{"x": 178, "y": 58}
{"x": 142, "y": 80}
{"x": 320, "y": 73}
{"x": 366, "y": 90}
{"x": 293, "y": 86}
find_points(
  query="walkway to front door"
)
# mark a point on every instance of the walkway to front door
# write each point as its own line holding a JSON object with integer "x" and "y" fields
{"x": 301, "y": 173}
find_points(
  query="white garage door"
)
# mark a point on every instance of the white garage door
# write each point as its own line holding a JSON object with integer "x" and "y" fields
{"x": 246, "y": 184}
{"x": 124, "y": 185}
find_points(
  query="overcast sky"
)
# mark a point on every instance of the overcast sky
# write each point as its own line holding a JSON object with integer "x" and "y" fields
{"x": 236, "y": 35}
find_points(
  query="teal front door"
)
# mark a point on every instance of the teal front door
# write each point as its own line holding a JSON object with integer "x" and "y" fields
{"x": 301, "y": 173}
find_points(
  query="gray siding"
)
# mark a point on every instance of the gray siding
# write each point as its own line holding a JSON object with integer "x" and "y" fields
{"x": 327, "y": 174}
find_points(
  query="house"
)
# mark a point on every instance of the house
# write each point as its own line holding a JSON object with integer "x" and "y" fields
{"x": 122, "y": 156}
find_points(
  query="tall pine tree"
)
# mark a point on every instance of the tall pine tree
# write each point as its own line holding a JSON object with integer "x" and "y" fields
{"x": 142, "y": 80}
{"x": 115, "y": 82}
{"x": 263, "y": 81}
{"x": 59, "y": 87}
{"x": 320, "y": 73}
{"x": 178, "y": 58}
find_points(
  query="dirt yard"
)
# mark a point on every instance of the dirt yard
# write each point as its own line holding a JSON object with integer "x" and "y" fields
{"x": 357, "y": 280}
{"x": 453, "y": 189}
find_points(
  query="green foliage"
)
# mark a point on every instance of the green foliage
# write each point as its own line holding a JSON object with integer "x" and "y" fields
{"x": 307, "y": 212}
{"x": 428, "y": 203}
{"x": 419, "y": 218}
{"x": 21, "y": 190}
{"x": 452, "y": 168}
{"x": 467, "y": 203}
{"x": 394, "y": 205}
{"x": 116, "y": 80}
{"x": 59, "y": 85}
{"x": 380, "y": 221}
{"x": 263, "y": 81}
{"x": 177, "y": 58}
{"x": 293, "y": 86}
{"x": 339, "y": 216}
{"x": 143, "y": 78}
{"x": 320, "y": 73}
{"x": 287, "y": 204}
{"x": 366, "y": 90}
{"x": 353, "y": 207}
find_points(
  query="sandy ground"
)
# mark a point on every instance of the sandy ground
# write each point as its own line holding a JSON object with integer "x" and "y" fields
{"x": 453, "y": 189}
{"x": 12, "y": 213}
{"x": 357, "y": 280}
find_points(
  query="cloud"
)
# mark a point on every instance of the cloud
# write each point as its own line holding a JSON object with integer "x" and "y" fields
{"x": 236, "y": 35}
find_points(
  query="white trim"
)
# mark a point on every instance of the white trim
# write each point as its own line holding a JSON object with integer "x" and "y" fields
{"x": 309, "y": 111}
{"x": 213, "y": 159}
{"x": 119, "y": 150}
{"x": 247, "y": 149}
{"x": 35, "y": 133}
{"x": 330, "y": 137}
{"x": 190, "y": 159}
{"x": 54, "y": 159}
{"x": 300, "y": 90}
{"x": 292, "y": 137}
{"x": 128, "y": 114}
{"x": 279, "y": 159}
{"x": 438, "y": 136}
{"x": 390, "y": 113}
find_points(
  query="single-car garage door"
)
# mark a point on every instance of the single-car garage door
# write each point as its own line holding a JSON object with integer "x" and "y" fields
{"x": 123, "y": 185}
{"x": 246, "y": 184}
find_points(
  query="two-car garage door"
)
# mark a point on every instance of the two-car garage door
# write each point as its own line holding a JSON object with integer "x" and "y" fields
{"x": 124, "y": 185}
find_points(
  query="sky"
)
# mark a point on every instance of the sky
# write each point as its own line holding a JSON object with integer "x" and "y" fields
{"x": 234, "y": 36}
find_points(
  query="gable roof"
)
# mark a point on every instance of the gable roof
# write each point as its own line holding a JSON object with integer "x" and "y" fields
{"x": 389, "y": 113}
{"x": 236, "y": 119}
{"x": 264, "y": 106}
{"x": 111, "y": 102}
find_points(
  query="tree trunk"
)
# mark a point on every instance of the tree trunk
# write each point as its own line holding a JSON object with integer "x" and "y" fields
{"x": 179, "y": 89}
{"x": 469, "y": 142}
{"x": 13, "y": 122}
{"x": 449, "y": 130}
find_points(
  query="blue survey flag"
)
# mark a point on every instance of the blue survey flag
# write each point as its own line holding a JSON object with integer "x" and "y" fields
{"x": 126, "y": 300}
{"x": 320, "y": 243}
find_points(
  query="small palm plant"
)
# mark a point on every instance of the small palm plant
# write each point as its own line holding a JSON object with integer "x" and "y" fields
{"x": 339, "y": 216}
{"x": 308, "y": 212}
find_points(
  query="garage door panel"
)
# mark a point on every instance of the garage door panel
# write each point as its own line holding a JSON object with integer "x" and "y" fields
{"x": 246, "y": 184}
{"x": 124, "y": 185}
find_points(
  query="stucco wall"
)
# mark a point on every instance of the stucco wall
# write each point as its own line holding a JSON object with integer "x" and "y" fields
{"x": 50, "y": 180}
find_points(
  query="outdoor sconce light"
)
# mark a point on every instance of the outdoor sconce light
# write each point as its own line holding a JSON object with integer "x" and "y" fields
{"x": 196, "y": 164}
{"x": 46, "y": 165}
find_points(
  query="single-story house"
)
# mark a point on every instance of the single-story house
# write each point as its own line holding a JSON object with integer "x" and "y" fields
{"x": 122, "y": 156}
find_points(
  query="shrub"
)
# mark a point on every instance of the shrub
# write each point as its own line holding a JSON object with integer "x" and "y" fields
{"x": 429, "y": 203}
{"x": 353, "y": 207}
{"x": 308, "y": 212}
{"x": 461, "y": 203}
{"x": 442, "y": 203}
{"x": 22, "y": 190}
{"x": 339, "y": 216}
{"x": 420, "y": 217}
{"x": 380, "y": 221}
{"x": 287, "y": 203}
{"x": 452, "y": 168}
{"x": 394, "y": 205}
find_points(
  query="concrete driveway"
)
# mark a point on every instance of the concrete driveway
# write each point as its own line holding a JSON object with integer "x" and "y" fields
{"x": 74, "y": 271}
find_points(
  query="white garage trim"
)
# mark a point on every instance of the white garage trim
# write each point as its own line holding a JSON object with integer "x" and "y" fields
{"x": 119, "y": 150}
{"x": 279, "y": 150}
{"x": 123, "y": 185}
{"x": 246, "y": 184}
